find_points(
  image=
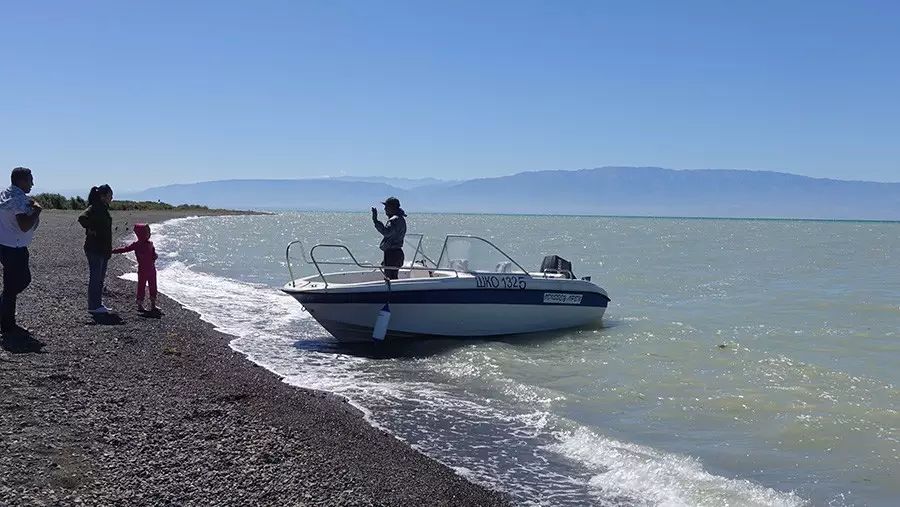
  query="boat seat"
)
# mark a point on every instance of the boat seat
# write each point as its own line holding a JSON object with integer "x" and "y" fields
{"x": 504, "y": 267}
{"x": 419, "y": 273}
{"x": 460, "y": 265}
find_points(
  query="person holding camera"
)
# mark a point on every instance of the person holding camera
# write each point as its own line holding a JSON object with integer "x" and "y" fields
{"x": 393, "y": 231}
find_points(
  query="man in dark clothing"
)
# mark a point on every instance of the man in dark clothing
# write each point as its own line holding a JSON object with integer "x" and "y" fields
{"x": 393, "y": 232}
{"x": 19, "y": 218}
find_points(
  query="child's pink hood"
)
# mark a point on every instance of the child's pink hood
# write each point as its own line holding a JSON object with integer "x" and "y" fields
{"x": 142, "y": 231}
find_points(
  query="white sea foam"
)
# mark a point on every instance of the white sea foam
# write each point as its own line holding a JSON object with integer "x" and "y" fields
{"x": 219, "y": 301}
{"x": 657, "y": 478}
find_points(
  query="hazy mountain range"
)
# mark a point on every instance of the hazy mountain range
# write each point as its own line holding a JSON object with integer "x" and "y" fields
{"x": 402, "y": 183}
{"x": 650, "y": 191}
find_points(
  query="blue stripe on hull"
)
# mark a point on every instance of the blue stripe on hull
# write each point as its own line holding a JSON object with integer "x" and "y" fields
{"x": 453, "y": 296}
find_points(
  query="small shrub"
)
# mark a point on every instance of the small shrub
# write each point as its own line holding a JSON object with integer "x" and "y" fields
{"x": 52, "y": 201}
{"x": 77, "y": 202}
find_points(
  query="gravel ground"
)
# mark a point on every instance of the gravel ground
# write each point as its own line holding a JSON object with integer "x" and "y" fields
{"x": 161, "y": 411}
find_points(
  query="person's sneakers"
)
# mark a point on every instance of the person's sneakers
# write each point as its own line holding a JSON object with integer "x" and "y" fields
{"x": 100, "y": 310}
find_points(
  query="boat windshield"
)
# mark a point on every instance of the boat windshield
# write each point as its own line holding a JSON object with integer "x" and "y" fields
{"x": 473, "y": 254}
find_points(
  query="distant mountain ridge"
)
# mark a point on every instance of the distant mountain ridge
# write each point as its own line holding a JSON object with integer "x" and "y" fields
{"x": 403, "y": 183}
{"x": 641, "y": 191}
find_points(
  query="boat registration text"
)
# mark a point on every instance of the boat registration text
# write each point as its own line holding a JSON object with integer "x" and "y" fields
{"x": 557, "y": 298}
{"x": 500, "y": 282}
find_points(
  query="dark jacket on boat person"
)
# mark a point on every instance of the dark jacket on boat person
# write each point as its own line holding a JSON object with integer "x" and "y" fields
{"x": 393, "y": 232}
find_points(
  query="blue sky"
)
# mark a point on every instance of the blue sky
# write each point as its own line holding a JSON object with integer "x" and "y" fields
{"x": 141, "y": 94}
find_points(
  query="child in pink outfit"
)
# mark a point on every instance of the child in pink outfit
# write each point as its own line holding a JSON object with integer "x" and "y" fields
{"x": 146, "y": 257}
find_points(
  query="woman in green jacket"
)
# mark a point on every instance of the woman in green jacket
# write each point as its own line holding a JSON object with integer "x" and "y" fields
{"x": 97, "y": 224}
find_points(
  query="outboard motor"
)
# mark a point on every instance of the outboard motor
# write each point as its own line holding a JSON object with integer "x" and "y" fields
{"x": 556, "y": 264}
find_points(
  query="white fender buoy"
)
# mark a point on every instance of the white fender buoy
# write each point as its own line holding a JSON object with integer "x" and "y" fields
{"x": 381, "y": 323}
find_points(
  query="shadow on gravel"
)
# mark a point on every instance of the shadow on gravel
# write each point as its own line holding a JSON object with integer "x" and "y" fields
{"x": 23, "y": 344}
{"x": 109, "y": 319}
{"x": 152, "y": 314}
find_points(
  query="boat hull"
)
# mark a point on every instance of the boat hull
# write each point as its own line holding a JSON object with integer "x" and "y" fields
{"x": 457, "y": 309}
{"x": 354, "y": 322}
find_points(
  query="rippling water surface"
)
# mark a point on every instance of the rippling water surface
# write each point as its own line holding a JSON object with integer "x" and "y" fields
{"x": 741, "y": 362}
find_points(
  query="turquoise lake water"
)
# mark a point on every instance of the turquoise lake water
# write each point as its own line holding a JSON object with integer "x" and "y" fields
{"x": 741, "y": 362}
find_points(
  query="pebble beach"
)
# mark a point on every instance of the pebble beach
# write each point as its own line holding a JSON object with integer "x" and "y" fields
{"x": 157, "y": 409}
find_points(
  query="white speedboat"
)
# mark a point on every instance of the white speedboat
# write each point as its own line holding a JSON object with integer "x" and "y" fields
{"x": 464, "y": 294}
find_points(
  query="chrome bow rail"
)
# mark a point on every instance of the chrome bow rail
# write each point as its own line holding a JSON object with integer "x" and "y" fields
{"x": 421, "y": 266}
{"x": 354, "y": 262}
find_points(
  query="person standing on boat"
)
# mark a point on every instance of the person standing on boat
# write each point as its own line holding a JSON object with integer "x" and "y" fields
{"x": 393, "y": 232}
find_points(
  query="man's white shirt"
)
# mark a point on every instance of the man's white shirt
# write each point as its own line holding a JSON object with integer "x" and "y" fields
{"x": 13, "y": 201}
